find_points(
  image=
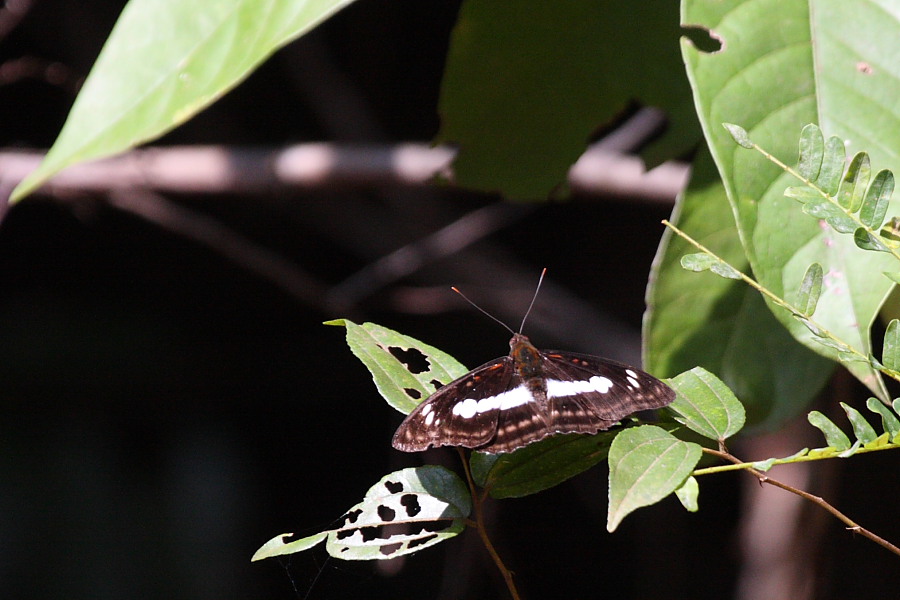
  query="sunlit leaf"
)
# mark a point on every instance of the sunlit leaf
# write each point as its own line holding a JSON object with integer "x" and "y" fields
{"x": 646, "y": 464}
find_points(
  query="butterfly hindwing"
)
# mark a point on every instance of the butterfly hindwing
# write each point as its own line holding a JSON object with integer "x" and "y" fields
{"x": 611, "y": 390}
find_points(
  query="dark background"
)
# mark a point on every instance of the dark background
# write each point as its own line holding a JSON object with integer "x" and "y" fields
{"x": 165, "y": 412}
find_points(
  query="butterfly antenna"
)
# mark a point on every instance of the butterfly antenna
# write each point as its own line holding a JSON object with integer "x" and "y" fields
{"x": 533, "y": 298}
{"x": 484, "y": 312}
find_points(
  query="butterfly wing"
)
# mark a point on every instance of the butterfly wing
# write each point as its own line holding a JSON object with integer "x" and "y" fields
{"x": 581, "y": 387}
{"x": 452, "y": 415}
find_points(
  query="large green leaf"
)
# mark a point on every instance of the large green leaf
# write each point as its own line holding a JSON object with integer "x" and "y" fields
{"x": 547, "y": 463}
{"x": 646, "y": 464}
{"x": 706, "y": 405}
{"x": 782, "y": 66}
{"x": 165, "y": 61}
{"x": 728, "y": 329}
{"x": 527, "y": 83}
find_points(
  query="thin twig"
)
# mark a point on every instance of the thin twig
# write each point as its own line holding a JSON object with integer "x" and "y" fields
{"x": 477, "y": 502}
{"x": 850, "y": 523}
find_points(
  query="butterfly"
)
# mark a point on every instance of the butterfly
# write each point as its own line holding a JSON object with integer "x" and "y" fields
{"x": 515, "y": 400}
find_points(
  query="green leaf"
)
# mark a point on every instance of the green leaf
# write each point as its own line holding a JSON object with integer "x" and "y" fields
{"x": 861, "y": 428}
{"x": 480, "y": 464}
{"x": 704, "y": 404}
{"x": 545, "y": 464}
{"x": 764, "y": 45}
{"x": 522, "y": 117}
{"x": 403, "y": 368}
{"x": 890, "y": 354}
{"x": 878, "y": 198}
{"x": 834, "y": 437}
{"x": 728, "y": 330}
{"x": 822, "y": 208}
{"x": 854, "y": 183}
{"x": 810, "y": 290}
{"x": 688, "y": 493}
{"x": 889, "y": 421}
{"x": 165, "y": 61}
{"x": 812, "y": 151}
{"x": 803, "y": 194}
{"x": 832, "y": 165}
{"x": 646, "y": 464}
{"x": 739, "y": 135}
{"x": 895, "y": 277}
{"x": 869, "y": 241}
{"x": 277, "y": 546}
{"x": 704, "y": 262}
{"x": 405, "y": 512}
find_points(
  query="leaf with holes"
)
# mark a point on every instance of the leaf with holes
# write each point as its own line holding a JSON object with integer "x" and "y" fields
{"x": 704, "y": 404}
{"x": 646, "y": 464}
{"x": 405, "y": 370}
{"x": 403, "y": 513}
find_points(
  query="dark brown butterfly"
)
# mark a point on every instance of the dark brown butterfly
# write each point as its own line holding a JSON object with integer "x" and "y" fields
{"x": 518, "y": 399}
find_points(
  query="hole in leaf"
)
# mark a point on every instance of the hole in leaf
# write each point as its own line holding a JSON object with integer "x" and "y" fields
{"x": 413, "y": 393}
{"x": 704, "y": 39}
{"x": 390, "y": 548}
{"x": 386, "y": 513}
{"x": 421, "y": 541}
{"x": 394, "y": 487}
{"x": 345, "y": 533}
{"x": 415, "y": 361}
{"x": 350, "y": 517}
{"x": 436, "y": 384}
{"x": 411, "y": 502}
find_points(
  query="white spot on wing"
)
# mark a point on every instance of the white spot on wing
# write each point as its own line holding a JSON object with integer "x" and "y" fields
{"x": 557, "y": 389}
{"x": 517, "y": 396}
{"x": 429, "y": 416}
{"x": 634, "y": 383}
{"x": 630, "y": 373}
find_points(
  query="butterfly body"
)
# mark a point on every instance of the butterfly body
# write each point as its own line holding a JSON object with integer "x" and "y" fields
{"x": 526, "y": 396}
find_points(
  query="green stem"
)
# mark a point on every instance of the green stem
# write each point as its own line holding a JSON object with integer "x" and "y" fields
{"x": 744, "y": 466}
{"x": 478, "y": 509}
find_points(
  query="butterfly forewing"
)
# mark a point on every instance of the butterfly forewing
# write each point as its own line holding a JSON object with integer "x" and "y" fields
{"x": 444, "y": 419}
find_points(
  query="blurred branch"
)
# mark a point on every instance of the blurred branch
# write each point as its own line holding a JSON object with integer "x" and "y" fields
{"x": 215, "y": 169}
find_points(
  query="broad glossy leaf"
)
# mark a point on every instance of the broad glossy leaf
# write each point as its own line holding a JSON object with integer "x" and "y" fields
{"x": 545, "y": 464}
{"x": 728, "y": 329}
{"x": 405, "y": 370}
{"x": 767, "y": 41}
{"x": 165, "y": 61}
{"x": 646, "y": 464}
{"x": 704, "y": 404}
